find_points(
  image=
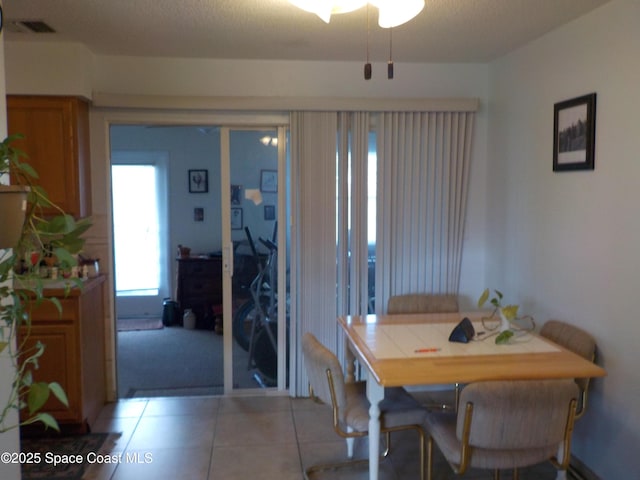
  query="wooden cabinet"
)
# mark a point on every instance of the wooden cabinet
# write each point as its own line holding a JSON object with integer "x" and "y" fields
{"x": 74, "y": 354}
{"x": 200, "y": 286}
{"x": 56, "y": 139}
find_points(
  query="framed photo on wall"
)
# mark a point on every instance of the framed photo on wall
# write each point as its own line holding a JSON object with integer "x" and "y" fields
{"x": 574, "y": 134}
{"x": 198, "y": 181}
{"x": 236, "y": 219}
{"x": 268, "y": 181}
{"x": 198, "y": 214}
{"x": 236, "y": 194}
{"x": 269, "y": 212}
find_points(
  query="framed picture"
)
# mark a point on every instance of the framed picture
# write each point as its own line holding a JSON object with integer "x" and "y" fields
{"x": 198, "y": 181}
{"x": 236, "y": 194}
{"x": 268, "y": 180}
{"x": 236, "y": 219}
{"x": 269, "y": 212}
{"x": 198, "y": 214}
{"x": 574, "y": 134}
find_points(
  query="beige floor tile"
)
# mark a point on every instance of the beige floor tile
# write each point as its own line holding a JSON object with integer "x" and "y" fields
{"x": 315, "y": 426}
{"x": 215, "y": 438}
{"x": 123, "y": 408}
{"x": 307, "y": 403}
{"x": 173, "y": 432}
{"x": 264, "y": 462}
{"x": 124, "y": 426}
{"x": 199, "y": 406}
{"x": 250, "y": 429}
{"x": 254, "y": 404}
{"x": 165, "y": 464}
{"x": 320, "y": 453}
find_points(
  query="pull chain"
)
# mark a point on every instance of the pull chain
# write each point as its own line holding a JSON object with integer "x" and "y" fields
{"x": 390, "y": 63}
{"x": 367, "y": 66}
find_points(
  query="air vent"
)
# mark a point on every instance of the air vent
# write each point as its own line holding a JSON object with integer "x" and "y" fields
{"x": 30, "y": 26}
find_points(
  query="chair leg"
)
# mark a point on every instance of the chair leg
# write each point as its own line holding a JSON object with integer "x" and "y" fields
{"x": 429, "y": 458}
{"x": 516, "y": 474}
{"x": 496, "y": 474}
{"x": 422, "y": 454}
{"x": 350, "y": 443}
{"x": 387, "y": 449}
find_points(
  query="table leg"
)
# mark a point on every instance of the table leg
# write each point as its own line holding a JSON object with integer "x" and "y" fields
{"x": 375, "y": 394}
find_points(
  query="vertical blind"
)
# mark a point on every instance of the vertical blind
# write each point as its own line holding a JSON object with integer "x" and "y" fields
{"x": 314, "y": 271}
{"x": 423, "y": 174}
{"x": 423, "y": 169}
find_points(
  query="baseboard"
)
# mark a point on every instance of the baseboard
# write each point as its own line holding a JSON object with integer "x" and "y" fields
{"x": 579, "y": 471}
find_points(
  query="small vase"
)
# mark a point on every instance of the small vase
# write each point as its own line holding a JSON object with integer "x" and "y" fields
{"x": 189, "y": 319}
{"x": 505, "y": 324}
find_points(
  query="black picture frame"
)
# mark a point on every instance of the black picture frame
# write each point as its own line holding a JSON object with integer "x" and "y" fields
{"x": 268, "y": 181}
{"x": 236, "y": 194}
{"x": 574, "y": 134}
{"x": 236, "y": 218}
{"x": 269, "y": 212}
{"x": 198, "y": 181}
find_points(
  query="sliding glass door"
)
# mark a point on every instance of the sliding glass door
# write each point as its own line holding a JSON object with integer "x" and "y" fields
{"x": 254, "y": 236}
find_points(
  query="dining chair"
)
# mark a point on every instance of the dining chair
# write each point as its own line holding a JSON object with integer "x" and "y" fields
{"x": 506, "y": 425}
{"x": 398, "y": 410}
{"x": 422, "y": 303}
{"x": 579, "y": 342}
{"x": 428, "y": 303}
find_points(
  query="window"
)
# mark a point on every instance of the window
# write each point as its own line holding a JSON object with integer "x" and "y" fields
{"x": 136, "y": 229}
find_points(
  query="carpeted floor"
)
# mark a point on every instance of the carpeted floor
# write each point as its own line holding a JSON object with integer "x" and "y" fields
{"x": 146, "y": 323}
{"x": 58, "y": 448}
{"x": 174, "y": 361}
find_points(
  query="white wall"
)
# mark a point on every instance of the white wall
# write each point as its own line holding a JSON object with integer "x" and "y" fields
{"x": 65, "y": 68}
{"x": 565, "y": 245}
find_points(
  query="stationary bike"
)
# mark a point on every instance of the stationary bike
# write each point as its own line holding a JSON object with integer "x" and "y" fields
{"x": 255, "y": 323}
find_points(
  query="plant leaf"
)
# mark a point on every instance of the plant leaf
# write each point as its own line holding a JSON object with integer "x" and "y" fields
{"x": 483, "y": 298}
{"x": 45, "y": 418}
{"x": 58, "y": 392}
{"x": 38, "y": 396}
{"x": 510, "y": 311}
{"x": 504, "y": 337}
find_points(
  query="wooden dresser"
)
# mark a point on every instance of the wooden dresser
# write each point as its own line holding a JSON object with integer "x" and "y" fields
{"x": 74, "y": 353}
{"x": 199, "y": 286}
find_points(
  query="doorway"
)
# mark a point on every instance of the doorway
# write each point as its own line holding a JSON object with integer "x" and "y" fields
{"x": 172, "y": 360}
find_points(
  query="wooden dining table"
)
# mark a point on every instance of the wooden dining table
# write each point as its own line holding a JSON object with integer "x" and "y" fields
{"x": 414, "y": 350}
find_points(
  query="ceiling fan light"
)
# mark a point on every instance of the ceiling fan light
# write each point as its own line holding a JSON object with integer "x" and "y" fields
{"x": 321, "y": 8}
{"x": 396, "y": 12}
{"x": 346, "y": 6}
{"x": 325, "y": 8}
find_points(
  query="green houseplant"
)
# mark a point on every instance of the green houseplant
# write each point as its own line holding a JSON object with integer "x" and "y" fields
{"x": 506, "y": 313}
{"x": 21, "y": 286}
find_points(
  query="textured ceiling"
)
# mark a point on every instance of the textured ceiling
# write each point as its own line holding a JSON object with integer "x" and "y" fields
{"x": 445, "y": 31}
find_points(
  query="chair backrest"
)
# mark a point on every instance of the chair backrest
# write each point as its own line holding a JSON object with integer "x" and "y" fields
{"x": 520, "y": 414}
{"x": 317, "y": 360}
{"x": 571, "y": 338}
{"x": 422, "y": 303}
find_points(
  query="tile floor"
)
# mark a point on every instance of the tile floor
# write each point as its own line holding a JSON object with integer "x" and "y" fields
{"x": 226, "y": 438}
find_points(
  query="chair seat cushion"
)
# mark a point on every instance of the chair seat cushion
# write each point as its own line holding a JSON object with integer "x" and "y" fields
{"x": 398, "y": 408}
{"x": 442, "y": 427}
